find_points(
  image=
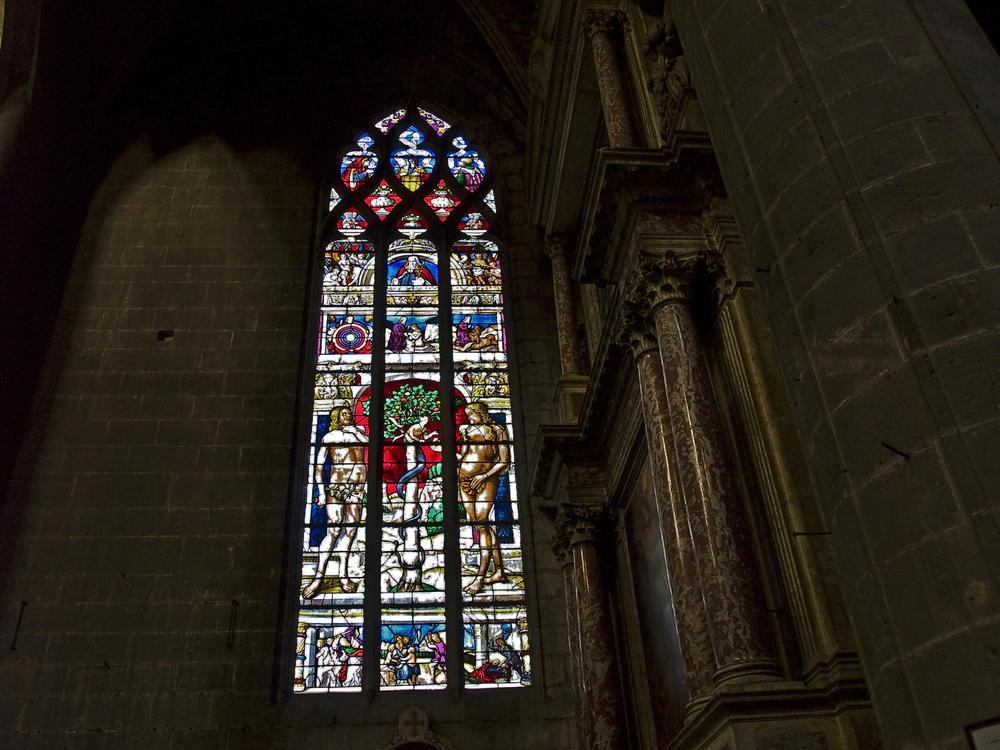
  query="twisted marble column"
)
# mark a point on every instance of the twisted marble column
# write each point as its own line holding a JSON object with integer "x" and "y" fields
{"x": 569, "y": 351}
{"x": 737, "y": 621}
{"x": 603, "y": 725}
{"x": 601, "y": 27}
{"x": 682, "y": 564}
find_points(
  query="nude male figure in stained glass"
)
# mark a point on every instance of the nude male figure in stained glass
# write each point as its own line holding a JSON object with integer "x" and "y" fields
{"x": 343, "y": 497}
{"x": 483, "y": 458}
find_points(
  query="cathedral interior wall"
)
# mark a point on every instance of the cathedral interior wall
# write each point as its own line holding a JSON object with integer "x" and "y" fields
{"x": 865, "y": 179}
{"x": 152, "y": 549}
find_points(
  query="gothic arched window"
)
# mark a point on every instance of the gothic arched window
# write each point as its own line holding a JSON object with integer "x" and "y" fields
{"x": 411, "y": 566}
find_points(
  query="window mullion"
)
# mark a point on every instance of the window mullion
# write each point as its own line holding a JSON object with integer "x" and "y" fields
{"x": 373, "y": 524}
{"x": 453, "y": 562}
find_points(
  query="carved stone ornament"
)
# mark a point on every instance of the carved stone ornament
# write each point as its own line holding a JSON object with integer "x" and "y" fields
{"x": 602, "y": 22}
{"x": 635, "y": 326}
{"x": 561, "y": 548}
{"x": 668, "y": 75}
{"x": 414, "y": 729}
{"x": 677, "y": 278}
{"x": 555, "y": 246}
{"x": 580, "y": 523}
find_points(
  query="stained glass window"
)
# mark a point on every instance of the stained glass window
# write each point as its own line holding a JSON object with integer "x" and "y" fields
{"x": 411, "y": 571}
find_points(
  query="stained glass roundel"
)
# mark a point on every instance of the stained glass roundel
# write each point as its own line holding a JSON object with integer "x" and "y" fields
{"x": 411, "y": 575}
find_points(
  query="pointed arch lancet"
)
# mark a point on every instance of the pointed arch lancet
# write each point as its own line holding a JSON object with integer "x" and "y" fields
{"x": 409, "y": 472}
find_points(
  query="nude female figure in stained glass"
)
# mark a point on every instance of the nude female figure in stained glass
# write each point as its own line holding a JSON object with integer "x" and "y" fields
{"x": 483, "y": 458}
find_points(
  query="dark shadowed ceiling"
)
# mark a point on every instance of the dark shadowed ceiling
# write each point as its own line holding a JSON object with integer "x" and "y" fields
{"x": 299, "y": 76}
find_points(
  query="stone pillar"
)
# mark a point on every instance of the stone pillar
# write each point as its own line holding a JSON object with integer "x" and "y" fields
{"x": 572, "y": 386}
{"x": 564, "y": 554}
{"x": 603, "y": 724}
{"x": 569, "y": 351}
{"x": 601, "y": 27}
{"x": 737, "y": 621}
{"x": 682, "y": 564}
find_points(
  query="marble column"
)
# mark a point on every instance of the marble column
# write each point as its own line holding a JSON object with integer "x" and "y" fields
{"x": 604, "y": 720}
{"x": 737, "y": 619}
{"x": 564, "y": 554}
{"x": 682, "y": 564}
{"x": 601, "y": 27}
{"x": 569, "y": 351}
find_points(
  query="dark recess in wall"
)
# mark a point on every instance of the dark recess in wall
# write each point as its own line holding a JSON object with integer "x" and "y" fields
{"x": 987, "y": 12}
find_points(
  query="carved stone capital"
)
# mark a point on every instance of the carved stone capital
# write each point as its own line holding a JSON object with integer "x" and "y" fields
{"x": 561, "y": 548}
{"x": 555, "y": 246}
{"x": 580, "y": 523}
{"x": 678, "y": 278}
{"x": 602, "y": 22}
{"x": 635, "y": 325}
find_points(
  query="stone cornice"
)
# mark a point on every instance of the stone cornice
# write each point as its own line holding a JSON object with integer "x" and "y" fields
{"x": 625, "y": 182}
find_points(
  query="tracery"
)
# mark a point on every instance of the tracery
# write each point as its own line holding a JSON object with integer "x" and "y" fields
{"x": 385, "y": 596}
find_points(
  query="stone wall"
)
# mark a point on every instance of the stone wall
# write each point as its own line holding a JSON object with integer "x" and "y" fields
{"x": 152, "y": 547}
{"x": 858, "y": 145}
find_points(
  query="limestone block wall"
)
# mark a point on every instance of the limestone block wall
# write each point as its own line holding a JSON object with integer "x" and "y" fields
{"x": 858, "y": 144}
{"x": 152, "y": 546}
